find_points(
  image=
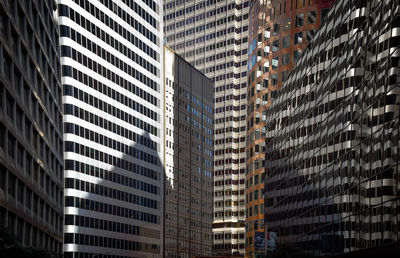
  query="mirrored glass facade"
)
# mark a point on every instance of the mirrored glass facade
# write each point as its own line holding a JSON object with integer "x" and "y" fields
{"x": 277, "y": 32}
{"x": 332, "y": 147}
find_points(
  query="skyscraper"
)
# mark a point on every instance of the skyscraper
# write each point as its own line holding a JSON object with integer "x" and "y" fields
{"x": 332, "y": 148}
{"x": 189, "y": 117}
{"x": 113, "y": 103}
{"x": 31, "y": 164}
{"x": 212, "y": 36}
{"x": 279, "y": 30}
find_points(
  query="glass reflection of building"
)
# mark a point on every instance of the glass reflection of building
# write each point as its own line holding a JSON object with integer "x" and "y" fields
{"x": 278, "y": 33}
{"x": 332, "y": 147}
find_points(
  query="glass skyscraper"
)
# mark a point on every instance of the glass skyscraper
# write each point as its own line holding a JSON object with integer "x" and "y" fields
{"x": 212, "y": 36}
{"x": 113, "y": 103}
{"x": 279, "y": 31}
{"x": 332, "y": 147}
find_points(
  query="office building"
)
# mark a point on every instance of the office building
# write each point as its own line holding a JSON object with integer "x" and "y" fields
{"x": 332, "y": 147}
{"x": 212, "y": 36}
{"x": 31, "y": 135}
{"x": 279, "y": 30}
{"x": 189, "y": 118}
{"x": 113, "y": 120}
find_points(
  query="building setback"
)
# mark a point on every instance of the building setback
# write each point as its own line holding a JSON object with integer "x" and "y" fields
{"x": 212, "y": 36}
{"x": 332, "y": 148}
{"x": 113, "y": 103}
{"x": 31, "y": 165}
{"x": 189, "y": 117}
{"x": 279, "y": 30}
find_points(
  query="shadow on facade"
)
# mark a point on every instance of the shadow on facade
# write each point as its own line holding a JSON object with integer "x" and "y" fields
{"x": 117, "y": 198}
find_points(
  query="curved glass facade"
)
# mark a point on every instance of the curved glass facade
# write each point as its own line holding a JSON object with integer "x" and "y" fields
{"x": 332, "y": 140}
{"x": 278, "y": 33}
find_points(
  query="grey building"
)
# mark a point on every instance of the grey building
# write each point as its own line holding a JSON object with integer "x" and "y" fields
{"x": 31, "y": 145}
{"x": 189, "y": 118}
{"x": 332, "y": 166}
{"x": 212, "y": 35}
{"x": 113, "y": 120}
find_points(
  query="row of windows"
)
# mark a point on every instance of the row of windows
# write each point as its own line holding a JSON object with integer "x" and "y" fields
{"x": 94, "y": 136}
{"x": 229, "y": 172}
{"x": 93, "y": 29}
{"x": 229, "y": 108}
{"x": 211, "y": 36}
{"x": 101, "y": 224}
{"x": 138, "y": 9}
{"x": 229, "y": 97}
{"x": 111, "y": 209}
{"x": 230, "y": 86}
{"x": 209, "y": 13}
{"x": 109, "y": 192}
{"x": 229, "y": 182}
{"x": 150, "y": 3}
{"x": 105, "y": 242}
{"x": 110, "y": 176}
{"x": 112, "y": 110}
{"x": 229, "y": 161}
{"x": 111, "y": 160}
{"x": 199, "y": 28}
{"x": 229, "y": 140}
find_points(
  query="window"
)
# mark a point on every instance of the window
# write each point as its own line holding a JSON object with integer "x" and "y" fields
{"x": 299, "y": 20}
{"x": 284, "y": 76}
{"x": 275, "y": 62}
{"x": 274, "y": 79}
{"x": 276, "y": 29}
{"x": 286, "y": 24}
{"x": 286, "y": 42}
{"x": 275, "y": 46}
{"x": 298, "y": 38}
{"x": 286, "y": 59}
{"x": 312, "y": 17}
{"x": 324, "y": 13}
{"x": 310, "y": 35}
{"x": 296, "y": 55}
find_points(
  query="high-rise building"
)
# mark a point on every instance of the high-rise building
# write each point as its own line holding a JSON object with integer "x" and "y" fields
{"x": 31, "y": 146}
{"x": 113, "y": 127}
{"x": 279, "y": 30}
{"x": 212, "y": 36}
{"x": 332, "y": 148}
{"x": 189, "y": 118}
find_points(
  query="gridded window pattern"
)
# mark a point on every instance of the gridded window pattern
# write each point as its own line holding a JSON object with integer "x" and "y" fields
{"x": 189, "y": 196}
{"x": 31, "y": 136}
{"x": 110, "y": 56}
{"x": 212, "y": 35}
{"x": 332, "y": 148}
